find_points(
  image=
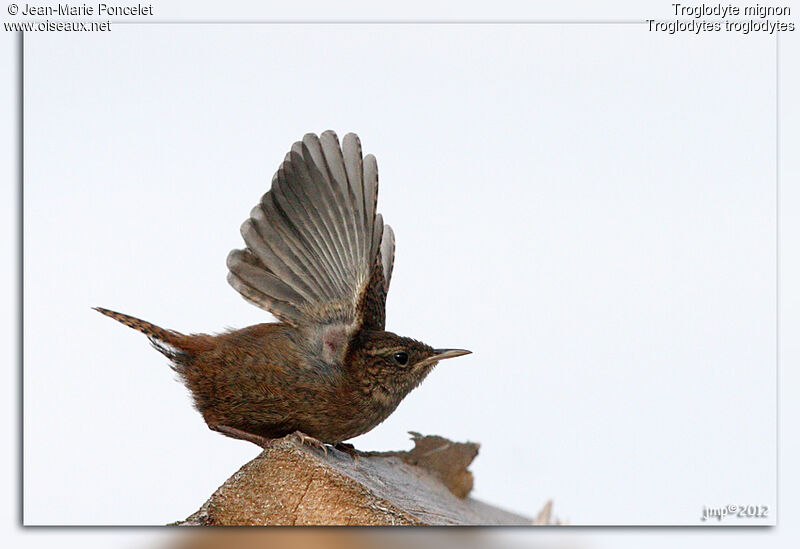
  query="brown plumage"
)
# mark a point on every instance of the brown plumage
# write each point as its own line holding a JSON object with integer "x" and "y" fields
{"x": 320, "y": 258}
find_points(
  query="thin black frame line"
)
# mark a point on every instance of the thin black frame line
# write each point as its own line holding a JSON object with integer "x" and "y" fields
{"x": 385, "y": 22}
{"x": 777, "y": 273}
{"x": 380, "y": 22}
{"x": 20, "y": 270}
{"x": 402, "y": 22}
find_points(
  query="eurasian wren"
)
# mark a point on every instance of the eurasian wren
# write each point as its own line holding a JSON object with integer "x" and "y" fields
{"x": 320, "y": 259}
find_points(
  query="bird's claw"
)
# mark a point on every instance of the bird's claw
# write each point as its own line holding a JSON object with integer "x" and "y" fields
{"x": 304, "y": 438}
{"x": 348, "y": 449}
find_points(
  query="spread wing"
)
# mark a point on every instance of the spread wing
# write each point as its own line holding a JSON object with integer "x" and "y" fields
{"x": 317, "y": 254}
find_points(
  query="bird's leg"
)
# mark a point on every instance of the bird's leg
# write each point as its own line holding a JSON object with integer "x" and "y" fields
{"x": 347, "y": 449}
{"x": 304, "y": 438}
{"x": 241, "y": 435}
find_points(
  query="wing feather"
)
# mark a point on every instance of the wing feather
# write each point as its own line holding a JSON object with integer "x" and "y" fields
{"x": 387, "y": 254}
{"x": 314, "y": 242}
{"x": 300, "y": 209}
{"x": 351, "y": 149}
{"x": 370, "y": 196}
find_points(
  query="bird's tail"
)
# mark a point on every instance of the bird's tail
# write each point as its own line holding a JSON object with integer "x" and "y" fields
{"x": 174, "y": 345}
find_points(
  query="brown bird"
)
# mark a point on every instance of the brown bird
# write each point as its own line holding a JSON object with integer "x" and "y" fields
{"x": 320, "y": 259}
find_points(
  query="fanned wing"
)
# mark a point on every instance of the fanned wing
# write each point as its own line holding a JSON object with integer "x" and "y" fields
{"x": 316, "y": 246}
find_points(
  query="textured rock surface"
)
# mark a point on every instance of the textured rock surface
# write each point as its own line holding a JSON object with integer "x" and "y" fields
{"x": 290, "y": 484}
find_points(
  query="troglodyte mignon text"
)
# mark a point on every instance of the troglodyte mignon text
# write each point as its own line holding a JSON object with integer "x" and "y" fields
{"x": 320, "y": 259}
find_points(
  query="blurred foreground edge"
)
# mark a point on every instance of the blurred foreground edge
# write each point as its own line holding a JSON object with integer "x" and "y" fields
{"x": 291, "y": 484}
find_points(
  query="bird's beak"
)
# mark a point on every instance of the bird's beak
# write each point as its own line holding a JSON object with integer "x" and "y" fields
{"x": 442, "y": 354}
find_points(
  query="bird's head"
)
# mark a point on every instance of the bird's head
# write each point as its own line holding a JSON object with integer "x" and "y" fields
{"x": 389, "y": 366}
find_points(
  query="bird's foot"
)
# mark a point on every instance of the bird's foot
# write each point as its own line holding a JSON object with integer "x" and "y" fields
{"x": 304, "y": 438}
{"x": 233, "y": 432}
{"x": 347, "y": 449}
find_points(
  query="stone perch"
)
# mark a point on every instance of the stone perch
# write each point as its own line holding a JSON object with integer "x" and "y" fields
{"x": 290, "y": 484}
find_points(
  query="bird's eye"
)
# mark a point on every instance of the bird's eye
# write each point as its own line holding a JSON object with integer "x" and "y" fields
{"x": 401, "y": 358}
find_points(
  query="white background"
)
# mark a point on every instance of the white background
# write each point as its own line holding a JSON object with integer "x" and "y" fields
{"x": 619, "y": 187}
{"x": 590, "y": 209}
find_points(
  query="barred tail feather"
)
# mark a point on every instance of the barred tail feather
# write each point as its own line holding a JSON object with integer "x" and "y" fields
{"x": 172, "y": 344}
